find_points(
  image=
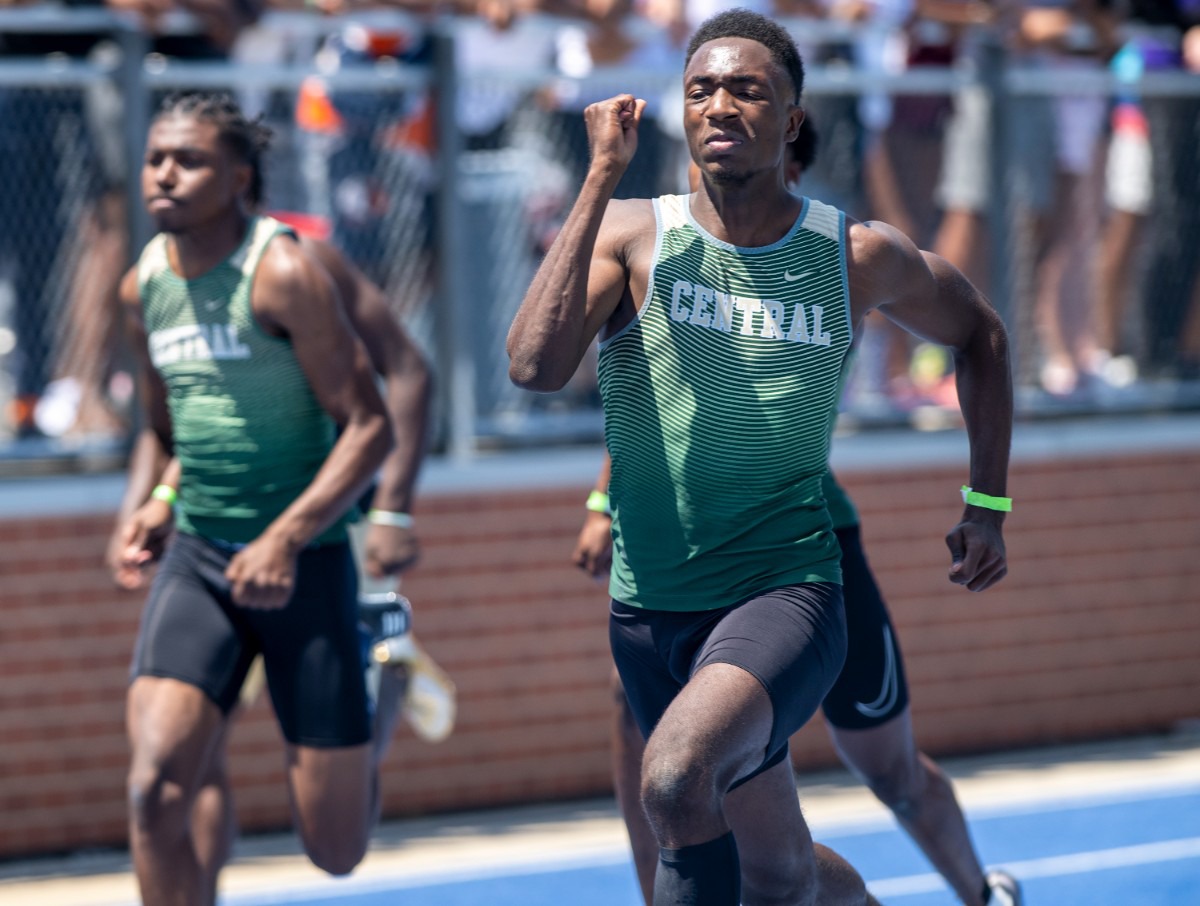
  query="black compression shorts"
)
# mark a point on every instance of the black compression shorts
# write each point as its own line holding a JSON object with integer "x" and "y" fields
{"x": 792, "y": 639}
{"x": 872, "y": 688}
{"x": 312, "y": 650}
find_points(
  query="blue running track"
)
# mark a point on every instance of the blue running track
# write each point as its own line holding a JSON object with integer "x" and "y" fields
{"x": 1124, "y": 850}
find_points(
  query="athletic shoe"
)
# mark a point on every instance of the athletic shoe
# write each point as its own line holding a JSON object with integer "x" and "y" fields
{"x": 388, "y": 620}
{"x": 430, "y": 701}
{"x": 254, "y": 683}
{"x": 430, "y": 696}
{"x": 1004, "y": 889}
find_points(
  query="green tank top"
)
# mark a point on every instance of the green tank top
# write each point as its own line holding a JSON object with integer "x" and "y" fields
{"x": 249, "y": 432}
{"x": 720, "y": 399}
{"x": 842, "y": 511}
{"x": 841, "y": 508}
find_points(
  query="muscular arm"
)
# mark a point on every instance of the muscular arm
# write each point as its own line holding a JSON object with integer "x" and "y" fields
{"x": 593, "y": 549}
{"x": 395, "y": 357}
{"x": 147, "y": 460}
{"x": 584, "y": 275}
{"x": 152, "y": 392}
{"x": 929, "y": 297}
{"x": 152, "y": 448}
{"x": 294, "y": 297}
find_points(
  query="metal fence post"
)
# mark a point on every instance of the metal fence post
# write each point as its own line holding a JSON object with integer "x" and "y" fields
{"x": 452, "y": 324}
{"x": 999, "y": 217}
{"x": 130, "y": 81}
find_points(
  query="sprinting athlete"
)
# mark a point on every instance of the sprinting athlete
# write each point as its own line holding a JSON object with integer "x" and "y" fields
{"x": 725, "y": 317}
{"x": 406, "y": 679}
{"x": 249, "y": 368}
{"x": 866, "y": 710}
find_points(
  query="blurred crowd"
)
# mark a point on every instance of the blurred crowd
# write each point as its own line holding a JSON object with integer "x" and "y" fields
{"x": 1100, "y": 192}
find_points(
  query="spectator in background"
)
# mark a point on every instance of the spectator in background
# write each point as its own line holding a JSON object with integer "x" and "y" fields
{"x": 59, "y": 146}
{"x": 609, "y": 38}
{"x": 902, "y": 139}
{"x": 1052, "y": 145}
{"x": 46, "y": 147}
{"x": 1058, "y": 155}
{"x": 963, "y": 188}
{"x": 366, "y": 154}
{"x": 1152, "y": 169}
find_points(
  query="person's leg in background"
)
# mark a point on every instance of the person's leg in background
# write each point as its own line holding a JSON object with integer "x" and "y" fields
{"x": 87, "y": 369}
{"x": 1173, "y": 266}
{"x": 963, "y": 189}
{"x": 31, "y": 231}
{"x": 1062, "y": 314}
{"x": 868, "y": 715}
{"x": 86, "y": 361}
{"x": 1128, "y": 193}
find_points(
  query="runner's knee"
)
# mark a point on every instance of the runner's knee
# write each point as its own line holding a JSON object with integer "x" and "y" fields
{"x": 336, "y": 854}
{"x": 158, "y": 803}
{"x": 676, "y": 785}
{"x": 335, "y": 792}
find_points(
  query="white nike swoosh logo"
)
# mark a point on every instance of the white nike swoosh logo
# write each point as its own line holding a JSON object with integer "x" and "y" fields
{"x": 891, "y": 682}
{"x": 213, "y": 304}
{"x": 792, "y": 278}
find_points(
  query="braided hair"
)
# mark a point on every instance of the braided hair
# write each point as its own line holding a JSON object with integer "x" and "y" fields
{"x": 247, "y": 138}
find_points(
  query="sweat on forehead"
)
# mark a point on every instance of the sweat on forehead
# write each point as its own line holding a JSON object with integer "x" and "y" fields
{"x": 732, "y": 56}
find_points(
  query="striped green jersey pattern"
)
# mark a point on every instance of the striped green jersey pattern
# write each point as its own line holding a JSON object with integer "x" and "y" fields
{"x": 249, "y": 433}
{"x": 720, "y": 399}
{"x": 842, "y": 511}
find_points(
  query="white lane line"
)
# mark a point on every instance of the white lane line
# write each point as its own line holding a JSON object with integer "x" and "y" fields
{"x": 1055, "y": 866}
{"x": 826, "y": 829}
{"x": 590, "y": 858}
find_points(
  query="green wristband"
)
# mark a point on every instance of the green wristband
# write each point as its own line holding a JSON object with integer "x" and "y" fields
{"x": 984, "y": 501}
{"x": 165, "y": 493}
{"x": 597, "y": 502}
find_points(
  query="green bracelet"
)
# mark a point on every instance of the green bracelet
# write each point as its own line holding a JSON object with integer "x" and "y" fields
{"x": 984, "y": 501}
{"x": 597, "y": 502}
{"x": 165, "y": 493}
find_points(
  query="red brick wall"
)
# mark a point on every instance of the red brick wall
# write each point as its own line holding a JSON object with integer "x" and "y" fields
{"x": 1094, "y": 633}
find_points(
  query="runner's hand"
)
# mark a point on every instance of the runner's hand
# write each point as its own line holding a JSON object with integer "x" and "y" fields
{"x": 262, "y": 575}
{"x": 612, "y": 130}
{"x": 977, "y": 555}
{"x": 593, "y": 550}
{"x": 389, "y": 549}
{"x": 140, "y": 543}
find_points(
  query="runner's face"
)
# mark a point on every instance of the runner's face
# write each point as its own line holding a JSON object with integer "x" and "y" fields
{"x": 189, "y": 176}
{"x": 739, "y": 110}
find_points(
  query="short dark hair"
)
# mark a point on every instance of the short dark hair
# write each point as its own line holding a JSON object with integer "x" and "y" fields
{"x": 743, "y": 23}
{"x": 247, "y": 138}
{"x": 804, "y": 145}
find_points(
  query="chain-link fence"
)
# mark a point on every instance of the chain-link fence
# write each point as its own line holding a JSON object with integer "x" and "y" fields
{"x": 442, "y": 161}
